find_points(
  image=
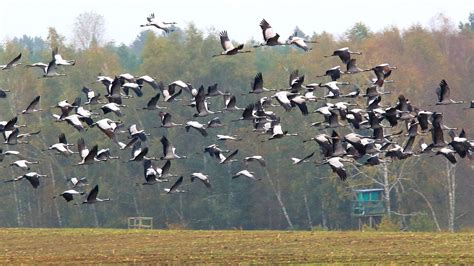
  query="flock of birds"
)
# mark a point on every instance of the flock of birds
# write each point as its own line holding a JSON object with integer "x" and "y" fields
{"x": 325, "y": 98}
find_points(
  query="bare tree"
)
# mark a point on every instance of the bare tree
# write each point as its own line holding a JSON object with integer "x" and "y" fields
{"x": 430, "y": 206}
{"x": 54, "y": 38}
{"x": 89, "y": 30}
{"x": 277, "y": 192}
{"x": 451, "y": 182}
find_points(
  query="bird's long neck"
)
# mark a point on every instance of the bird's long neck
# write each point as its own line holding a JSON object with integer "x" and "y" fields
{"x": 100, "y": 200}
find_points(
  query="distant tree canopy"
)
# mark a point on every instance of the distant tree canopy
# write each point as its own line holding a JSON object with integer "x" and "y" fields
{"x": 299, "y": 33}
{"x": 54, "y": 39}
{"x": 312, "y": 197}
{"x": 89, "y": 30}
{"x": 468, "y": 26}
{"x": 358, "y": 32}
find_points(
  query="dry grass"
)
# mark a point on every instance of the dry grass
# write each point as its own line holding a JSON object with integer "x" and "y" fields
{"x": 187, "y": 246}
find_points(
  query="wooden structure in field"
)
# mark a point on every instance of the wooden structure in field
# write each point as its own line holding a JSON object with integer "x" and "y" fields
{"x": 140, "y": 222}
{"x": 368, "y": 204}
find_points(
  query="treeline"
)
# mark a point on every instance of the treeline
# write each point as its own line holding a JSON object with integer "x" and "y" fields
{"x": 287, "y": 197}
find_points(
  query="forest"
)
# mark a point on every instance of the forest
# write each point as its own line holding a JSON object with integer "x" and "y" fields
{"x": 424, "y": 193}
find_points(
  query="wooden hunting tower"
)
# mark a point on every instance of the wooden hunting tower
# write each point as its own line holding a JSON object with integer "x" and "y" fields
{"x": 368, "y": 204}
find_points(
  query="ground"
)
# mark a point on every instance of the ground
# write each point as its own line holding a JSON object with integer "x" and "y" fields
{"x": 189, "y": 246}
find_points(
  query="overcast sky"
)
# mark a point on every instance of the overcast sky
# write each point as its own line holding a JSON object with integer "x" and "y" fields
{"x": 239, "y": 17}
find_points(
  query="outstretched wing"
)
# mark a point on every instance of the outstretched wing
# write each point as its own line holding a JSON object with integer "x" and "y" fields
{"x": 225, "y": 41}
{"x": 10, "y": 124}
{"x": 34, "y": 180}
{"x": 92, "y": 154}
{"x": 306, "y": 157}
{"x": 93, "y": 193}
{"x": 153, "y": 101}
{"x": 33, "y": 103}
{"x": 443, "y": 91}
{"x": 62, "y": 138}
{"x": 81, "y": 146}
{"x": 229, "y": 157}
{"x": 267, "y": 30}
{"x": 146, "y": 165}
{"x": 11, "y": 63}
{"x": 293, "y": 77}
{"x": 175, "y": 186}
{"x": 150, "y": 17}
{"x": 257, "y": 82}
{"x": 167, "y": 149}
{"x": 166, "y": 168}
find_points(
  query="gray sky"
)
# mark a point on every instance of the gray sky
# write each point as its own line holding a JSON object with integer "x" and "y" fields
{"x": 239, "y": 17}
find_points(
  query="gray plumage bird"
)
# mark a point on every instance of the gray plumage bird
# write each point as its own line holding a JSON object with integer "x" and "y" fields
{"x": 344, "y": 54}
{"x": 167, "y": 27}
{"x": 229, "y": 48}
{"x": 169, "y": 151}
{"x": 69, "y": 194}
{"x": 92, "y": 196}
{"x": 201, "y": 177}
{"x": 13, "y": 63}
{"x": 270, "y": 37}
{"x": 444, "y": 93}
{"x": 32, "y": 177}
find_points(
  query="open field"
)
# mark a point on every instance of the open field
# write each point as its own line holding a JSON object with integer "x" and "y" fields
{"x": 187, "y": 246}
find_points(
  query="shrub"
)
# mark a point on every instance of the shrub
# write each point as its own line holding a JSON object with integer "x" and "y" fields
{"x": 421, "y": 223}
{"x": 388, "y": 225}
{"x": 175, "y": 226}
